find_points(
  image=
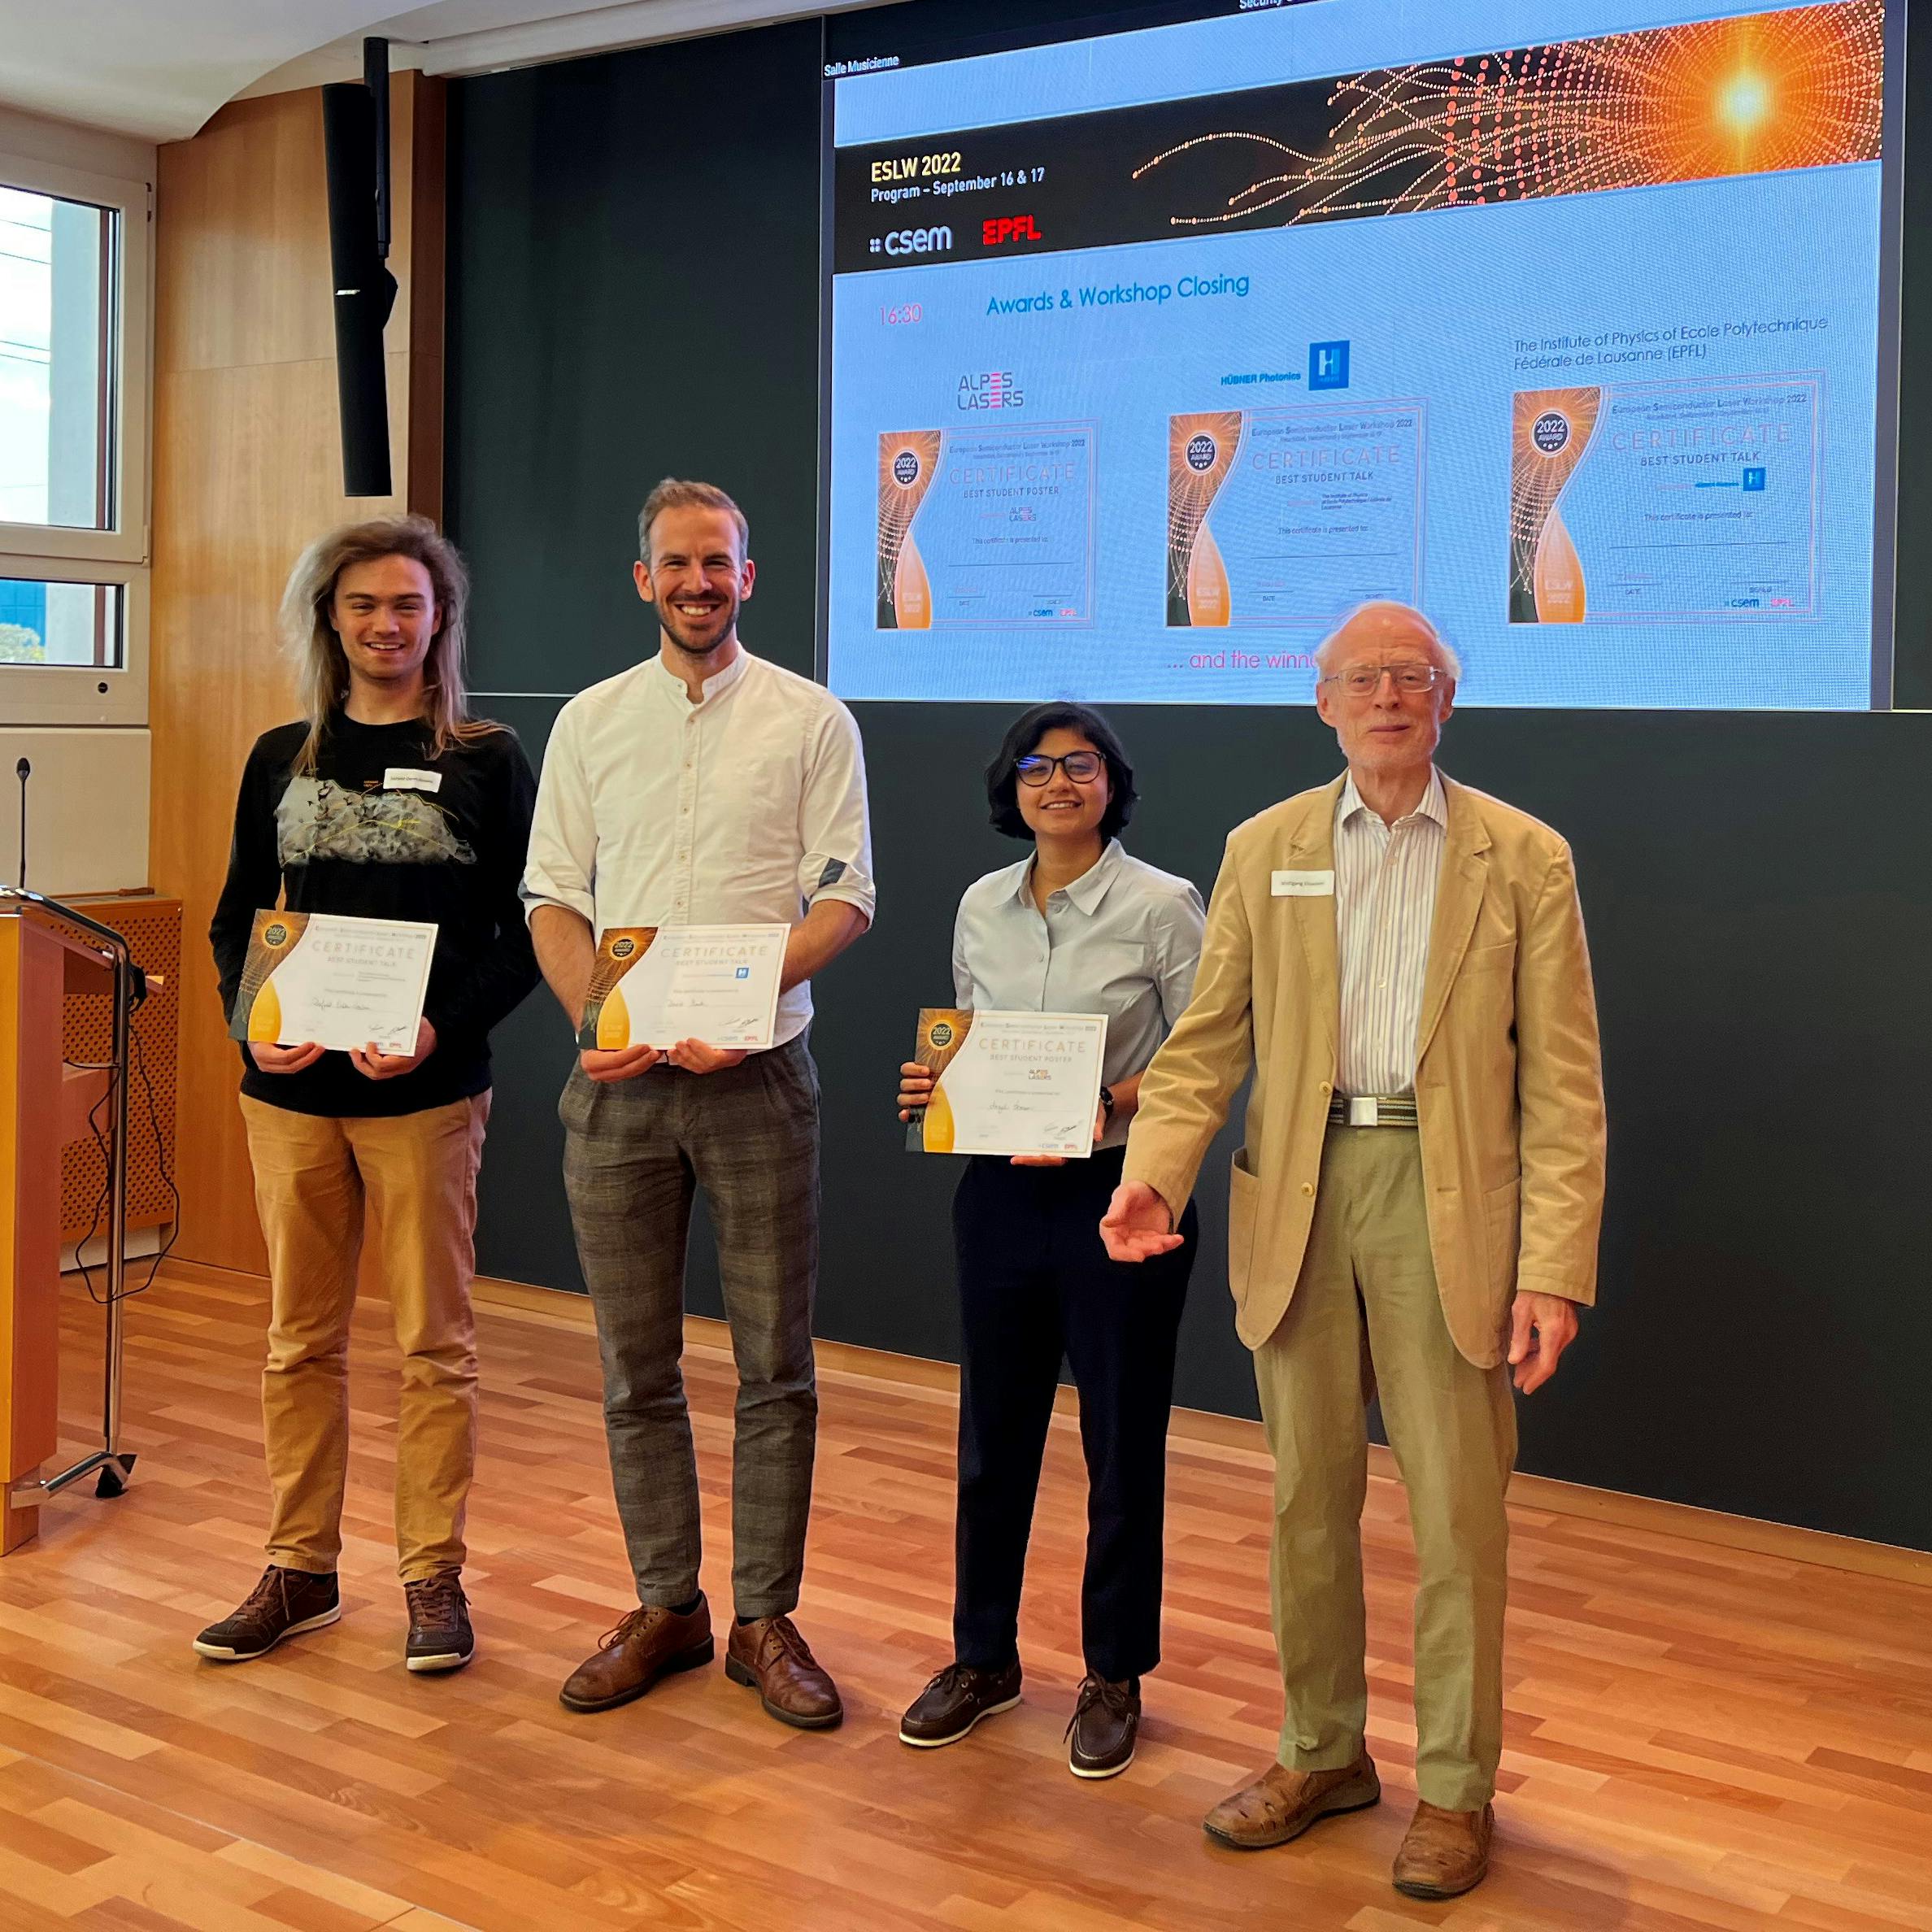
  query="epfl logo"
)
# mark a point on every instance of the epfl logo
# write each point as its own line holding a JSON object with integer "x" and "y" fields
{"x": 1550, "y": 431}
{"x": 905, "y": 469}
{"x": 1201, "y": 451}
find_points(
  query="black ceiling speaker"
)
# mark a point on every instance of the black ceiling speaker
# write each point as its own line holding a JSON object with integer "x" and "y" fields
{"x": 355, "y": 137}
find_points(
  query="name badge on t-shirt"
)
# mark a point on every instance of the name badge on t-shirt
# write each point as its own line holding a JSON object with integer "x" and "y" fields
{"x": 403, "y": 778}
{"x": 1303, "y": 885}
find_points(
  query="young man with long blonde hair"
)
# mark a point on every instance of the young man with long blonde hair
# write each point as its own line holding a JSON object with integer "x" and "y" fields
{"x": 387, "y": 800}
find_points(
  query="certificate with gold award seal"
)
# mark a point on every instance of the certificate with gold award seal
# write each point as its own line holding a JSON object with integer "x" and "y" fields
{"x": 655, "y": 985}
{"x": 1009, "y": 1083}
{"x": 342, "y": 983}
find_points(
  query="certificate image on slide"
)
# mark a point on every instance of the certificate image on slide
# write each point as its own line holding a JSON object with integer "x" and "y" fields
{"x": 1293, "y": 516}
{"x": 986, "y": 528}
{"x": 1646, "y": 501}
{"x": 1009, "y": 1083}
{"x": 326, "y": 979}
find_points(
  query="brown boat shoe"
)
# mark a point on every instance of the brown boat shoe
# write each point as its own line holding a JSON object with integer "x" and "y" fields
{"x": 1281, "y": 1804}
{"x": 770, "y": 1655}
{"x": 652, "y": 1642}
{"x": 1446, "y": 1853}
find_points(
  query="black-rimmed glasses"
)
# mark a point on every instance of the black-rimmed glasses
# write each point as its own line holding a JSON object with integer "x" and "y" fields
{"x": 1083, "y": 768}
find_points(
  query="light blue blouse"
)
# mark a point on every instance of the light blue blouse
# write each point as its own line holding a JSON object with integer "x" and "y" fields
{"x": 1123, "y": 939}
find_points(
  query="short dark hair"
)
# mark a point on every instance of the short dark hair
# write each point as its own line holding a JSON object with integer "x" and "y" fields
{"x": 678, "y": 493}
{"x": 1024, "y": 734}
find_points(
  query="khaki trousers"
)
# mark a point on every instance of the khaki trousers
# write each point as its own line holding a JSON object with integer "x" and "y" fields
{"x": 1365, "y": 1317}
{"x": 415, "y": 1177}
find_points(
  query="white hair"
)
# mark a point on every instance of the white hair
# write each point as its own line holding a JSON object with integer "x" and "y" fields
{"x": 1388, "y": 609}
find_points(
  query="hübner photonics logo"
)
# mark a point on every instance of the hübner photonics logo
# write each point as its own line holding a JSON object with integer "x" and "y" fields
{"x": 913, "y": 241}
{"x": 1550, "y": 431}
{"x": 992, "y": 389}
{"x": 1201, "y": 451}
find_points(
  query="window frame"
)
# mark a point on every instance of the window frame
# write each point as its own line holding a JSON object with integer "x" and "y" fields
{"x": 74, "y": 693}
{"x": 127, "y": 540}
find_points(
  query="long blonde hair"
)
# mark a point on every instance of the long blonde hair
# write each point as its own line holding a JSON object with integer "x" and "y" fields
{"x": 309, "y": 637}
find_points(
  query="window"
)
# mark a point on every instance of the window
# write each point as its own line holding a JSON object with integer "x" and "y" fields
{"x": 73, "y": 446}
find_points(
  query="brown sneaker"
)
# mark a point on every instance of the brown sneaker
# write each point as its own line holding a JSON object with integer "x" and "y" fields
{"x": 285, "y": 1603}
{"x": 769, "y": 1655}
{"x": 1446, "y": 1852}
{"x": 955, "y": 1701}
{"x": 1281, "y": 1804}
{"x": 652, "y": 1642}
{"x": 1106, "y": 1722}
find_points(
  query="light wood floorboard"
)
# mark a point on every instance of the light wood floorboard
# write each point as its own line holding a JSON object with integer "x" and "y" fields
{"x": 1697, "y": 1735}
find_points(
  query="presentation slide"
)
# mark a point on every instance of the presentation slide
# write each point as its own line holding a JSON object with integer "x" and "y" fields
{"x": 1153, "y": 355}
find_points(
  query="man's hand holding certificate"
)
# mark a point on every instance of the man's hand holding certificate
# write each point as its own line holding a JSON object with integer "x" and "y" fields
{"x": 338, "y": 983}
{"x": 1025, "y": 1084}
{"x": 662, "y": 987}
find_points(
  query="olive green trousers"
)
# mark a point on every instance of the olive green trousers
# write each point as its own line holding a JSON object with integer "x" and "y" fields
{"x": 1365, "y": 1318}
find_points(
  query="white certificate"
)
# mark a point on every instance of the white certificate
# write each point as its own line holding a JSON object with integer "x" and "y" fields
{"x": 1017, "y": 1083}
{"x": 717, "y": 984}
{"x": 340, "y": 982}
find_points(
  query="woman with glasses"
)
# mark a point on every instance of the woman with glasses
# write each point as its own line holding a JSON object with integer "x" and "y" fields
{"x": 1077, "y": 927}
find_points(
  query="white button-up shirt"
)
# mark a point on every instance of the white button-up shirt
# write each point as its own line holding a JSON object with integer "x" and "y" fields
{"x": 744, "y": 808}
{"x": 1385, "y": 902}
{"x": 1123, "y": 939}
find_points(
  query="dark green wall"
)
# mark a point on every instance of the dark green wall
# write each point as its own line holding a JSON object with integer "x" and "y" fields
{"x": 634, "y": 291}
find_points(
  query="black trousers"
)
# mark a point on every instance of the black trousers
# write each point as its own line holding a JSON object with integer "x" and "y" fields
{"x": 1036, "y": 1285}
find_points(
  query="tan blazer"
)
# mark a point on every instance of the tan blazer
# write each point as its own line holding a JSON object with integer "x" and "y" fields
{"x": 1508, "y": 1079}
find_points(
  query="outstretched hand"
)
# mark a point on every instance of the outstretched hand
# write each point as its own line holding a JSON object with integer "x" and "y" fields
{"x": 1138, "y": 1224}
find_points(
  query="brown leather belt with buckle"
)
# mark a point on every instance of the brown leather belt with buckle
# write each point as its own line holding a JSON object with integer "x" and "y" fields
{"x": 1372, "y": 1112}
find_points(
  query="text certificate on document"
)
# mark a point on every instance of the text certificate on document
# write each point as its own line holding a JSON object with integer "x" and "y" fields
{"x": 1009, "y": 1083}
{"x": 653, "y": 986}
{"x": 338, "y": 982}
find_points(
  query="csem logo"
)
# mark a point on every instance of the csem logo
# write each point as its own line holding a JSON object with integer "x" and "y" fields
{"x": 914, "y": 241}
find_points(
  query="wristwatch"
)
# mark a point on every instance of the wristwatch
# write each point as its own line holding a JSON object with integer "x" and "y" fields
{"x": 1107, "y": 1104}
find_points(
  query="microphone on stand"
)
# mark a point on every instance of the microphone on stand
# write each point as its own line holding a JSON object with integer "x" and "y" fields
{"x": 23, "y": 771}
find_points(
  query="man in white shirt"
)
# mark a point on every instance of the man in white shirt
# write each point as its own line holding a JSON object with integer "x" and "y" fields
{"x": 705, "y": 786}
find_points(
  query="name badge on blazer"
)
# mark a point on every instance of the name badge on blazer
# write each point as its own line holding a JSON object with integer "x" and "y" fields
{"x": 407, "y": 778}
{"x": 1301, "y": 885}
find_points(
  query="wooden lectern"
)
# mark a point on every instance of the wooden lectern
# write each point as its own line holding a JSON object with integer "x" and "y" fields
{"x": 44, "y": 1104}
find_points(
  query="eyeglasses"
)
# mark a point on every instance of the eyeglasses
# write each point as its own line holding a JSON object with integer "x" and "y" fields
{"x": 1361, "y": 680}
{"x": 1083, "y": 768}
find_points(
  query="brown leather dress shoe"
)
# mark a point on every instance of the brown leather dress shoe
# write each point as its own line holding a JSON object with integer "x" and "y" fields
{"x": 770, "y": 1655}
{"x": 1446, "y": 1852}
{"x": 1281, "y": 1804}
{"x": 652, "y": 1642}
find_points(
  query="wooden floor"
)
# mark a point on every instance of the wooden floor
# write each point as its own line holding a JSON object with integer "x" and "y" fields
{"x": 1697, "y": 1736}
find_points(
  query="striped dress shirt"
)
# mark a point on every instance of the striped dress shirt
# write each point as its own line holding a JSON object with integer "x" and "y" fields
{"x": 1385, "y": 902}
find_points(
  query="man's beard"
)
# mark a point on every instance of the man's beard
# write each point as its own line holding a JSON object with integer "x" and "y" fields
{"x": 674, "y": 627}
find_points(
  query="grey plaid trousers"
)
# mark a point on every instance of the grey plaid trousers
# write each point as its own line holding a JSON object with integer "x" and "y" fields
{"x": 635, "y": 1153}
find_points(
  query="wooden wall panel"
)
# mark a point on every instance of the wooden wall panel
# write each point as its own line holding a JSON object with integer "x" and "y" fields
{"x": 247, "y": 470}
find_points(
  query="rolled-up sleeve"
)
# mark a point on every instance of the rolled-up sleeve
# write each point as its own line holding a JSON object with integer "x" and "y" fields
{"x": 563, "y": 863}
{"x": 834, "y": 827}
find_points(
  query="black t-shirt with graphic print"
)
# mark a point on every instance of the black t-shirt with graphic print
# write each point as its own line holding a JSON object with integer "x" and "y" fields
{"x": 343, "y": 841}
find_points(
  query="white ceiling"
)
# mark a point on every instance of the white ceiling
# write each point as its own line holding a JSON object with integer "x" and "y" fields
{"x": 159, "y": 68}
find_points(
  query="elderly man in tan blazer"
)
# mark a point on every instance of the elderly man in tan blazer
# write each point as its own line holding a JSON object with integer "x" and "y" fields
{"x": 1414, "y": 1211}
